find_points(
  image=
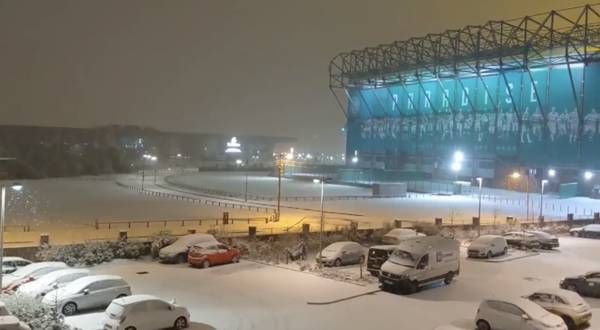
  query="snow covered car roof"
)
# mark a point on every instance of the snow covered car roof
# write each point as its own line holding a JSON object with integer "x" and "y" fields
{"x": 4, "y": 259}
{"x": 82, "y": 282}
{"x": 51, "y": 277}
{"x": 383, "y": 247}
{"x": 136, "y": 298}
{"x": 419, "y": 246}
{"x": 38, "y": 265}
{"x": 339, "y": 245}
{"x": 402, "y": 232}
{"x": 526, "y": 305}
{"x": 570, "y": 296}
{"x": 540, "y": 233}
{"x": 486, "y": 238}
{"x": 186, "y": 241}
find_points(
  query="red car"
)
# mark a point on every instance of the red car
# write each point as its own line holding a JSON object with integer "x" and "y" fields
{"x": 208, "y": 254}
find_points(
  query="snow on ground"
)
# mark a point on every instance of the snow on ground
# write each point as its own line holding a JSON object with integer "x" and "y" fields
{"x": 255, "y": 296}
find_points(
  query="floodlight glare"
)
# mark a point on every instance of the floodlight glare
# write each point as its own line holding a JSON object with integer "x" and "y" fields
{"x": 456, "y": 167}
{"x": 355, "y": 159}
{"x": 515, "y": 175}
{"x": 459, "y": 156}
{"x": 588, "y": 175}
{"x": 316, "y": 181}
{"x": 551, "y": 173}
{"x": 17, "y": 186}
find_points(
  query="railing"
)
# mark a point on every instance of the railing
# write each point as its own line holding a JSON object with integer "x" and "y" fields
{"x": 180, "y": 222}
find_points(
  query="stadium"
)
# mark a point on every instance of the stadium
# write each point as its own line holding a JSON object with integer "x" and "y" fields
{"x": 480, "y": 101}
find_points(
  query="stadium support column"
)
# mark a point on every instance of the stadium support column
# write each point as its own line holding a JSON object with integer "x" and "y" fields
{"x": 579, "y": 103}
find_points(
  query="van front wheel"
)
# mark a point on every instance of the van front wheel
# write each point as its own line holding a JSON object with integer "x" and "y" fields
{"x": 483, "y": 325}
{"x": 448, "y": 278}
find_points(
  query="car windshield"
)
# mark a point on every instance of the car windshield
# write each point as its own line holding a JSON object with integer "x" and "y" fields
{"x": 114, "y": 311}
{"x": 25, "y": 271}
{"x": 403, "y": 258}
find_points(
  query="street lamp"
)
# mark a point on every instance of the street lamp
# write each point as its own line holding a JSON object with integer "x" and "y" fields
{"x": 322, "y": 181}
{"x": 588, "y": 175}
{"x": 551, "y": 173}
{"x": 150, "y": 158}
{"x": 516, "y": 175}
{"x": 480, "y": 180}
{"x": 16, "y": 187}
{"x": 544, "y": 182}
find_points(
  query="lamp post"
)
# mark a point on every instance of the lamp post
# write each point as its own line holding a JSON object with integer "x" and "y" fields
{"x": 321, "y": 223}
{"x": 147, "y": 157}
{"x": 544, "y": 182}
{"x": 15, "y": 187}
{"x": 480, "y": 180}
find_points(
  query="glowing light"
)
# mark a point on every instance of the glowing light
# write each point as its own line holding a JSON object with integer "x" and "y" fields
{"x": 316, "y": 181}
{"x": 17, "y": 186}
{"x": 456, "y": 167}
{"x": 233, "y": 146}
{"x": 459, "y": 156}
{"x": 289, "y": 156}
{"x": 515, "y": 175}
{"x": 153, "y": 158}
{"x": 551, "y": 173}
{"x": 355, "y": 159}
{"x": 238, "y": 161}
{"x": 588, "y": 175}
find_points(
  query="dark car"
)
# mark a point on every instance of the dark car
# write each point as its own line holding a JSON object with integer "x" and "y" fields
{"x": 547, "y": 241}
{"x": 586, "y": 285}
{"x": 377, "y": 256}
{"x": 522, "y": 240}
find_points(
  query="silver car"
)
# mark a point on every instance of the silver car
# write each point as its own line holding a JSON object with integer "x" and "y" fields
{"x": 342, "y": 253}
{"x": 86, "y": 293}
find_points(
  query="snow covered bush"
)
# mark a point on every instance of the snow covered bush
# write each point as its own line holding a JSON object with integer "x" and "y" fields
{"x": 159, "y": 240}
{"x": 91, "y": 253}
{"x": 37, "y": 315}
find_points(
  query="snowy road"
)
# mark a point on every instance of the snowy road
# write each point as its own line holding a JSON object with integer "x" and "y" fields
{"x": 252, "y": 296}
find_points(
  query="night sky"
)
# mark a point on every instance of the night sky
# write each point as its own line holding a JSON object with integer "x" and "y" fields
{"x": 238, "y": 67}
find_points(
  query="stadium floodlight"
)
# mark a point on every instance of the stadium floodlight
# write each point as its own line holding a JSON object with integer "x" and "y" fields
{"x": 515, "y": 175}
{"x": 233, "y": 146}
{"x": 16, "y": 186}
{"x": 238, "y": 161}
{"x": 153, "y": 158}
{"x": 459, "y": 156}
{"x": 551, "y": 173}
{"x": 588, "y": 175}
{"x": 355, "y": 157}
{"x": 456, "y": 167}
{"x": 316, "y": 181}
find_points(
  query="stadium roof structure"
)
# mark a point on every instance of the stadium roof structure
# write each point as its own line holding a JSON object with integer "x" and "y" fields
{"x": 559, "y": 37}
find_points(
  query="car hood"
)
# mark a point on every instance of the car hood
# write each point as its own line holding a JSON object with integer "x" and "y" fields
{"x": 57, "y": 295}
{"x": 391, "y": 267}
{"x": 30, "y": 288}
{"x": 550, "y": 319}
{"x": 172, "y": 250}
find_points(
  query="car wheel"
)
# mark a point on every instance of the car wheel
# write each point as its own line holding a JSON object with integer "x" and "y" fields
{"x": 235, "y": 259}
{"x": 374, "y": 273}
{"x": 361, "y": 260}
{"x": 182, "y": 258}
{"x": 489, "y": 255}
{"x": 338, "y": 262}
{"x": 572, "y": 287}
{"x": 483, "y": 325}
{"x": 205, "y": 264}
{"x": 448, "y": 278}
{"x": 130, "y": 328}
{"x": 69, "y": 309}
{"x": 505, "y": 251}
{"x": 569, "y": 322}
{"x": 180, "y": 323}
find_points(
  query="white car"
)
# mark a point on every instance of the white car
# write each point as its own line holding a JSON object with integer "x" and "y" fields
{"x": 515, "y": 314}
{"x": 569, "y": 305}
{"x": 87, "y": 292}
{"x": 30, "y": 272}
{"x": 145, "y": 312}
{"x": 178, "y": 251}
{"x": 9, "y": 322}
{"x": 11, "y": 264}
{"x": 398, "y": 235}
{"x": 487, "y": 246}
{"x": 51, "y": 281}
{"x": 589, "y": 231}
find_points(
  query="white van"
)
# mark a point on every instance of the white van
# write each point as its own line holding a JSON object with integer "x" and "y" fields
{"x": 398, "y": 235}
{"x": 420, "y": 261}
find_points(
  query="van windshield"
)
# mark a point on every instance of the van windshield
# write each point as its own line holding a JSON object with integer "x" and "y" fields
{"x": 114, "y": 311}
{"x": 403, "y": 258}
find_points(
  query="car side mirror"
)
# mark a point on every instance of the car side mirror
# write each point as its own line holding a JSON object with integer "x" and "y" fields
{"x": 86, "y": 291}
{"x": 344, "y": 252}
{"x": 525, "y": 317}
{"x": 171, "y": 308}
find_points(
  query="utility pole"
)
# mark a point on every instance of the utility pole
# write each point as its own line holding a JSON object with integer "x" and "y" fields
{"x": 480, "y": 180}
{"x": 527, "y": 198}
{"x": 321, "y": 222}
{"x": 279, "y": 172}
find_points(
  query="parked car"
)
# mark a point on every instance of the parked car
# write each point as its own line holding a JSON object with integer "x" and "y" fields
{"x": 487, "y": 246}
{"x": 28, "y": 273}
{"x": 341, "y": 253}
{"x": 178, "y": 251}
{"x": 586, "y": 285}
{"x": 522, "y": 240}
{"x": 398, "y": 235}
{"x": 10, "y": 322}
{"x": 145, "y": 312}
{"x": 209, "y": 254}
{"x": 11, "y": 264}
{"x": 566, "y": 304}
{"x": 515, "y": 314}
{"x": 417, "y": 262}
{"x": 589, "y": 231}
{"x": 547, "y": 241}
{"x": 377, "y": 256}
{"x": 87, "y": 292}
{"x": 51, "y": 281}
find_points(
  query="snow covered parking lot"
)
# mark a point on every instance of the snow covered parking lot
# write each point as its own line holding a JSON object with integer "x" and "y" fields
{"x": 255, "y": 296}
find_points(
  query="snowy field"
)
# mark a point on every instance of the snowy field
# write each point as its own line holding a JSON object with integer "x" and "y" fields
{"x": 254, "y": 296}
